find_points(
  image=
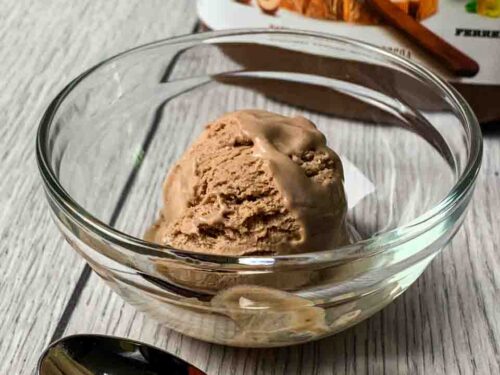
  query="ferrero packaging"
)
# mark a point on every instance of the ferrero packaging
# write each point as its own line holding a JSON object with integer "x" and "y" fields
{"x": 472, "y": 26}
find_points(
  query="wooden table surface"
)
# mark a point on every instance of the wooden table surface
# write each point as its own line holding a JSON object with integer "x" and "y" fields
{"x": 448, "y": 322}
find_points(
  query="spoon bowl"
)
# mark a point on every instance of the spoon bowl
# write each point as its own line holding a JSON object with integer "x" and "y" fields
{"x": 98, "y": 355}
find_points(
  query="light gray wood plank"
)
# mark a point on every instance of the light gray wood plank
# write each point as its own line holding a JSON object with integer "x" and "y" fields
{"x": 42, "y": 46}
{"x": 446, "y": 323}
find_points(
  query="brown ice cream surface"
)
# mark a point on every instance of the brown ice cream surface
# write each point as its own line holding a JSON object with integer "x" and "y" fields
{"x": 253, "y": 183}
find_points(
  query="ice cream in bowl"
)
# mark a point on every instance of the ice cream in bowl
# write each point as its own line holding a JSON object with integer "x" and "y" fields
{"x": 258, "y": 188}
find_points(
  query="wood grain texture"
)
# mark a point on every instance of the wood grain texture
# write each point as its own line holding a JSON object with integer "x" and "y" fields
{"x": 42, "y": 46}
{"x": 446, "y": 323}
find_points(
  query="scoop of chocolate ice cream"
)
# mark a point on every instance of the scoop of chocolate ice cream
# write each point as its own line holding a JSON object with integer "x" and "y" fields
{"x": 255, "y": 182}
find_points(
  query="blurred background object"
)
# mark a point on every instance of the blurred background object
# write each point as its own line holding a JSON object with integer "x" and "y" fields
{"x": 472, "y": 34}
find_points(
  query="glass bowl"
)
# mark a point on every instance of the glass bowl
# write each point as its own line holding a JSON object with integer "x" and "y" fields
{"x": 411, "y": 149}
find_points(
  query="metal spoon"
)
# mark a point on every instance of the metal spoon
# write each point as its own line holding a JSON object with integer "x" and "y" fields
{"x": 107, "y": 355}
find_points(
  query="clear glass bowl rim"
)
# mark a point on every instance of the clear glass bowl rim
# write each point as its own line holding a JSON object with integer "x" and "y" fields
{"x": 361, "y": 249}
